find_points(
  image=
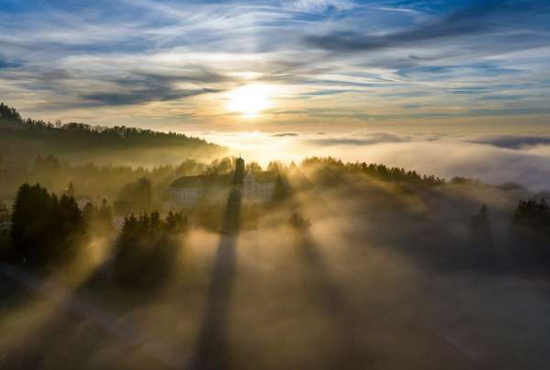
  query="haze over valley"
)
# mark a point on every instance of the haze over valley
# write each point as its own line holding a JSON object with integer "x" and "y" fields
{"x": 274, "y": 184}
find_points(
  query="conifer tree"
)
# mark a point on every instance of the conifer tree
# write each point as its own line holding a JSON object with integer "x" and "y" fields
{"x": 480, "y": 231}
{"x": 44, "y": 228}
{"x": 279, "y": 193}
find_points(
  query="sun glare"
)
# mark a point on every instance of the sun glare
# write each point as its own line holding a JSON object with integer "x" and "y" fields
{"x": 250, "y": 100}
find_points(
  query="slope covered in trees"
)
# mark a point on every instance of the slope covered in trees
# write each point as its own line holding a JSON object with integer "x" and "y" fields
{"x": 331, "y": 170}
{"x": 26, "y": 138}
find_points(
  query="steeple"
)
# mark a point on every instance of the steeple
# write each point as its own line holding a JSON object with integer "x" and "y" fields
{"x": 238, "y": 175}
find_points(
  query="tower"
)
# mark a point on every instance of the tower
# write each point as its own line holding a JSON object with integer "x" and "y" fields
{"x": 238, "y": 175}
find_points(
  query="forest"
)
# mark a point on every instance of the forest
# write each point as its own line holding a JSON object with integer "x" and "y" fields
{"x": 336, "y": 245}
{"x": 99, "y": 254}
{"x": 23, "y": 140}
{"x": 46, "y": 227}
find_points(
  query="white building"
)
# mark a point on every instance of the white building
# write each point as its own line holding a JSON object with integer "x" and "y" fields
{"x": 188, "y": 191}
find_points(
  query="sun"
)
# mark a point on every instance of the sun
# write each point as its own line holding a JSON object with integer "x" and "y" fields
{"x": 250, "y": 100}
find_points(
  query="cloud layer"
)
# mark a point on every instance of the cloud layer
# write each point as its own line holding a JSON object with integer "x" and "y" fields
{"x": 338, "y": 63}
{"x": 522, "y": 160}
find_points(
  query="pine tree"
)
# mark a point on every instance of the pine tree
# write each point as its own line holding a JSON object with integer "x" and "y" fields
{"x": 45, "y": 228}
{"x": 481, "y": 234}
{"x": 89, "y": 212}
{"x": 531, "y": 229}
{"x": 4, "y": 212}
{"x": 279, "y": 193}
{"x": 70, "y": 190}
{"x": 105, "y": 213}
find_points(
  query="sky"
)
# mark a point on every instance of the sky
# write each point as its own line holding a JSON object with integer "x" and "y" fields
{"x": 280, "y": 65}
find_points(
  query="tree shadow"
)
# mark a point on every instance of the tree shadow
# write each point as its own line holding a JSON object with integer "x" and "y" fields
{"x": 211, "y": 350}
{"x": 63, "y": 315}
{"x": 332, "y": 304}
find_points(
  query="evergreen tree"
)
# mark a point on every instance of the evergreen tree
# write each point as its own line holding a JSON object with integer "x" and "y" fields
{"x": 89, "y": 212}
{"x": 70, "y": 190}
{"x": 275, "y": 166}
{"x": 253, "y": 167}
{"x": 176, "y": 223}
{"x": 44, "y": 228}
{"x": 531, "y": 230}
{"x": 481, "y": 239}
{"x": 4, "y": 212}
{"x": 143, "y": 193}
{"x": 146, "y": 250}
{"x": 481, "y": 228}
{"x": 105, "y": 213}
{"x": 9, "y": 115}
{"x": 279, "y": 193}
{"x": 136, "y": 196}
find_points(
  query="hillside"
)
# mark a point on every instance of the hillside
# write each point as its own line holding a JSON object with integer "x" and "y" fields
{"x": 22, "y": 140}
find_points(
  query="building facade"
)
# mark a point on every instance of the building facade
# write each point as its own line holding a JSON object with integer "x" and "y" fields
{"x": 188, "y": 191}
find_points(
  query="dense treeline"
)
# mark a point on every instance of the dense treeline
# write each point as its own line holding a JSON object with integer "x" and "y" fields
{"x": 45, "y": 228}
{"x": 99, "y": 218}
{"x": 9, "y": 115}
{"x": 135, "y": 196}
{"x": 147, "y": 248}
{"x": 531, "y": 230}
{"x": 107, "y": 136}
{"x": 527, "y": 245}
{"x": 108, "y": 181}
{"x": 4, "y": 227}
{"x": 23, "y": 140}
{"x": 4, "y": 212}
{"x": 95, "y": 181}
{"x": 480, "y": 244}
{"x": 331, "y": 170}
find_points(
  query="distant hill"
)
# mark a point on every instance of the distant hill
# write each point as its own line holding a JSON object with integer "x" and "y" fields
{"x": 22, "y": 140}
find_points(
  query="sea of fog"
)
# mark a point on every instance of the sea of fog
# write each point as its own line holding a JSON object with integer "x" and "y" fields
{"x": 495, "y": 159}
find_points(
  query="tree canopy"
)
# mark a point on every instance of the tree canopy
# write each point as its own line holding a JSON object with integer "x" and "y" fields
{"x": 45, "y": 228}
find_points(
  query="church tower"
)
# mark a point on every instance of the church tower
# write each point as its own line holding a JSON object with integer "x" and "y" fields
{"x": 238, "y": 175}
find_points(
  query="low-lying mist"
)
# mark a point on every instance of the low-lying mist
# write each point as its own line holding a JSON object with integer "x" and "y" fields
{"x": 491, "y": 158}
{"x": 374, "y": 275}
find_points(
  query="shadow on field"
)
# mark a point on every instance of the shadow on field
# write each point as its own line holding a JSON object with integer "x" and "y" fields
{"x": 211, "y": 351}
{"x": 331, "y": 303}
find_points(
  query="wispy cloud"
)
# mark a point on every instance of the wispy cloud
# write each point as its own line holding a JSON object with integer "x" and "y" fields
{"x": 487, "y": 17}
{"x": 354, "y": 61}
{"x": 514, "y": 141}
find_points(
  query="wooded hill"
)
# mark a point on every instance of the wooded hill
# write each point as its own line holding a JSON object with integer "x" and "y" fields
{"x": 21, "y": 140}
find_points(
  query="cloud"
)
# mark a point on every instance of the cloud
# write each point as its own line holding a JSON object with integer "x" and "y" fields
{"x": 455, "y": 158}
{"x": 6, "y": 64}
{"x": 513, "y": 141}
{"x": 424, "y": 62}
{"x": 477, "y": 19}
{"x": 315, "y": 6}
{"x": 140, "y": 87}
{"x": 142, "y": 96}
{"x": 359, "y": 140}
{"x": 286, "y": 134}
